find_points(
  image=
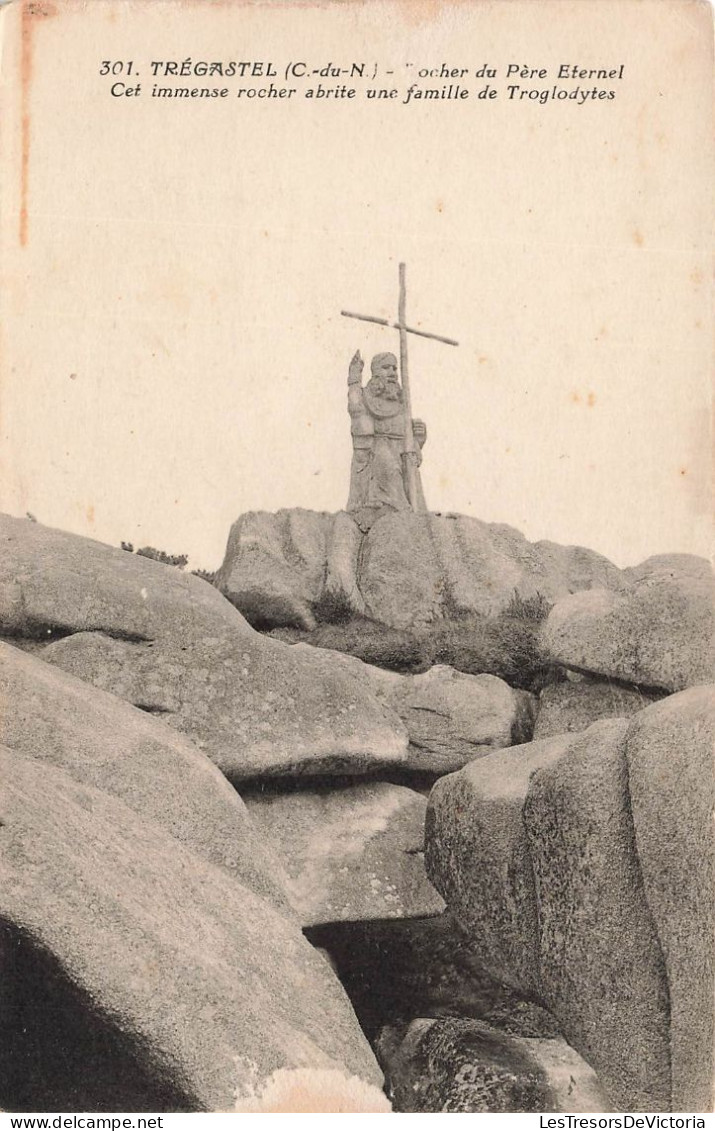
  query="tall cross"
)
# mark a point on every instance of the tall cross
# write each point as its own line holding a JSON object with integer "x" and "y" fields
{"x": 404, "y": 330}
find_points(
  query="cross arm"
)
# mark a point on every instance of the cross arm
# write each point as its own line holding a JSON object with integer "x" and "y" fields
{"x": 398, "y": 326}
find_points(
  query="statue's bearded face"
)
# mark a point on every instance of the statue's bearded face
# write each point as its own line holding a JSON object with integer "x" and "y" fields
{"x": 384, "y": 381}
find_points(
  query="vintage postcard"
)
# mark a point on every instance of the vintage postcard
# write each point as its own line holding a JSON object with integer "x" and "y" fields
{"x": 355, "y": 596}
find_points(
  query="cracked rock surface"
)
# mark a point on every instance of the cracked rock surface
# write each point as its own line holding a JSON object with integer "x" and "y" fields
{"x": 351, "y": 853}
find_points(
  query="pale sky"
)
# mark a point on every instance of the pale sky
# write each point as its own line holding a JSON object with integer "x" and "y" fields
{"x": 174, "y": 350}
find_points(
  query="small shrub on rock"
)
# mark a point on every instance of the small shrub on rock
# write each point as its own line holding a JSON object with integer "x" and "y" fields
{"x": 534, "y": 609}
{"x": 333, "y": 607}
{"x": 205, "y": 575}
{"x": 391, "y": 648}
{"x": 178, "y": 560}
{"x": 506, "y": 646}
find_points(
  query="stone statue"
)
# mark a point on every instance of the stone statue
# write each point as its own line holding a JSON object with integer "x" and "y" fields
{"x": 377, "y": 424}
{"x": 387, "y": 446}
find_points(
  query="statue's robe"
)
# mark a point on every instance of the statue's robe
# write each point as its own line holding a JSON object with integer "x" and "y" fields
{"x": 377, "y": 474}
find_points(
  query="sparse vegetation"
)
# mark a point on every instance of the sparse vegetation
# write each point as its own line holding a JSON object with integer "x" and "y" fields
{"x": 206, "y": 575}
{"x": 506, "y": 645}
{"x": 177, "y": 560}
{"x": 391, "y": 648}
{"x": 452, "y": 610}
{"x": 535, "y": 608}
{"x": 333, "y": 607}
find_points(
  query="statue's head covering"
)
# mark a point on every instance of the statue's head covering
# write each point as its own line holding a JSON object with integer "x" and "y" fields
{"x": 378, "y": 360}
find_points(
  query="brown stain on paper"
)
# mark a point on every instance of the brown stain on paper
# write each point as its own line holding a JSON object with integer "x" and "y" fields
{"x": 589, "y": 399}
{"x": 417, "y": 13}
{"x": 32, "y": 10}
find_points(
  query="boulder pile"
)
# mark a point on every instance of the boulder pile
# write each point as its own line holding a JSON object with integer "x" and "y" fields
{"x": 418, "y": 824}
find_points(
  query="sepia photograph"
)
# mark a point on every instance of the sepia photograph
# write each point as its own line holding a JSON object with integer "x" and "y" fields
{"x": 356, "y": 598}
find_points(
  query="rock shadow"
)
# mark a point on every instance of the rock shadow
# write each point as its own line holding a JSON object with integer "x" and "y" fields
{"x": 59, "y": 1052}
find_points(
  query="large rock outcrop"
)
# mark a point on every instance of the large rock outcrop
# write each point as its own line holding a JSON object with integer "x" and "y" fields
{"x": 455, "y": 1064}
{"x": 574, "y": 704}
{"x": 53, "y": 583}
{"x": 583, "y": 873}
{"x": 150, "y": 920}
{"x": 258, "y": 709}
{"x": 171, "y": 644}
{"x": 274, "y": 566}
{"x": 353, "y": 853}
{"x": 601, "y": 967}
{"x": 409, "y": 569}
{"x": 669, "y": 750}
{"x": 478, "y": 858}
{"x": 659, "y": 632}
{"x": 453, "y": 562}
{"x": 452, "y": 718}
{"x": 173, "y": 986}
{"x": 106, "y": 743}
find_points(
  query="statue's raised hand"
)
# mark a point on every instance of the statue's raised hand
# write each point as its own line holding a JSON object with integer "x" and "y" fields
{"x": 356, "y": 367}
{"x": 419, "y": 431}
